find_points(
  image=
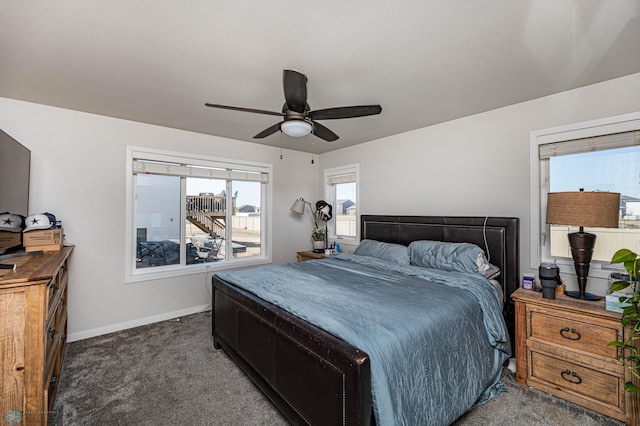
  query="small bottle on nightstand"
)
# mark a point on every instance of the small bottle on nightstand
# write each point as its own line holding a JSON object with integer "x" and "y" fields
{"x": 528, "y": 282}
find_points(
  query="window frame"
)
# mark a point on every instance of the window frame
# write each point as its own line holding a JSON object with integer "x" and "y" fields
{"x": 133, "y": 274}
{"x": 329, "y": 192}
{"x": 539, "y": 250}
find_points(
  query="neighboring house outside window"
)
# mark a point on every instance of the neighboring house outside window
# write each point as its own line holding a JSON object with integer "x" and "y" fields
{"x": 188, "y": 212}
{"x": 603, "y": 155}
{"x": 341, "y": 191}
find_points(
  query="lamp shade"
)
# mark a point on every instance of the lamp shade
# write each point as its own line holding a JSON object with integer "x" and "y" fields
{"x": 296, "y": 128}
{"x": 298, "y": 206}
{"x": 582, "y": 208}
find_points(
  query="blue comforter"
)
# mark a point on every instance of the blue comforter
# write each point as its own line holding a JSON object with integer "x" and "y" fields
{"x": 436, "y": 340}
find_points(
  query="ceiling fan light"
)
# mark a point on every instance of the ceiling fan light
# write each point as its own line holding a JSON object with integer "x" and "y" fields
{"x": 296, "y": 128}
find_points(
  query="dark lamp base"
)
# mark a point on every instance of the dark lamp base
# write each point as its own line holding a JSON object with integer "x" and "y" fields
{"x": 582, "y": 244}
{"x": 584, "y": 296}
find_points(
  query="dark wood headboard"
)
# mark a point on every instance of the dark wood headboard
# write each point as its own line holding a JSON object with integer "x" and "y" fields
{"x": 497, "y": 236}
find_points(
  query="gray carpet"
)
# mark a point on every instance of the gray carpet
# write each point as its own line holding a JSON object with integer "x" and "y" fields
{"x": 169, "y": 374}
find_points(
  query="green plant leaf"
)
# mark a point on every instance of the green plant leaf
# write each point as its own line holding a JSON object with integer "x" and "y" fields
{"x": 626, "y": 347}
{"x": 633, "y": 268}
{"x": 619, "y": 285}
{"x": 625, "y": 321}
{"x": 623, "y": 255}
{"x": 630, "y": 267}
{"x": 630, "y": 387}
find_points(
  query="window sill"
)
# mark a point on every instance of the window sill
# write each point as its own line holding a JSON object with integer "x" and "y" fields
{"x": 596, "y": 269}
{"x": 212, "y": 267}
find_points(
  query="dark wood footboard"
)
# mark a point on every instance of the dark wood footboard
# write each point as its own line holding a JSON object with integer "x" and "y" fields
{"x": 310, "y": 375}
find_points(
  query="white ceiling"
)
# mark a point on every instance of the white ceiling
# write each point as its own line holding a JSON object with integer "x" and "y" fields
{"x": 423, "y": 61}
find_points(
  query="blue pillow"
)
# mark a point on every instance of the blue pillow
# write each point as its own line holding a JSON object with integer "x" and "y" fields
{"x": 461, "y": 257}
{"x": 386, "y": 251}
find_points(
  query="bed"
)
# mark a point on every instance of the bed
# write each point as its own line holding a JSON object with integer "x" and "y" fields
{"x": 315, "y": 377}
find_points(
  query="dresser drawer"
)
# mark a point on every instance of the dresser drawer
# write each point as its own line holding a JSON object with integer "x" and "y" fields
{"x": 575, "y": 332}
{"x": 568, "y": 378}
{"x": 57, "y": 283}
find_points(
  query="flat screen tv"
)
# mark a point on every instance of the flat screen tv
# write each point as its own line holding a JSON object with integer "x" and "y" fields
{"x": 15, "y": 168}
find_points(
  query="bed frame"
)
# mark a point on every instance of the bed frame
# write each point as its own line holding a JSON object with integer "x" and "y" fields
{"x": 312, "y": 376}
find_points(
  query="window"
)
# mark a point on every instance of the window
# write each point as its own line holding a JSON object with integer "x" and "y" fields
{"x": 597, "y": 156}
{"x": 189, "y": 212}
{"x": 341, "y": 191}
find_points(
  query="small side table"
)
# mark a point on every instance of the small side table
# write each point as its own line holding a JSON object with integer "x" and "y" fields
{"x": 310, "y": 255}
{"x": 562, "y": 349}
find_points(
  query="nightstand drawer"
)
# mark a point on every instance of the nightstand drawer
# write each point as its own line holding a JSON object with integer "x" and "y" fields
{"x": 575, "y": 332}
{"x": 567, "y": 378}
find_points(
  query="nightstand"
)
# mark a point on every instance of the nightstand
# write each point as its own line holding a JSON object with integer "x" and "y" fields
{"x": 310, "y": 255}
{"x": 561, "y": 348}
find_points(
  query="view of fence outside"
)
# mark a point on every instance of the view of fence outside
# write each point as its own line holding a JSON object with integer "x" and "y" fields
{"x": 346, "y": 224}
{"x": 609, "y": 240}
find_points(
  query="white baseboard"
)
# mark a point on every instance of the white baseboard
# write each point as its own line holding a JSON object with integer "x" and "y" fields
{"x": 81, "y": 335}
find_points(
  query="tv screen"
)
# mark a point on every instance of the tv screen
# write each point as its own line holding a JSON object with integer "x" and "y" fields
{"x": 15, "y": 167}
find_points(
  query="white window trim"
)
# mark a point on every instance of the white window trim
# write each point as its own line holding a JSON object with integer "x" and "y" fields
{"x": 329, "y": 192}
{"x": 132, "y": 275}
{"x": 616, "y": 124}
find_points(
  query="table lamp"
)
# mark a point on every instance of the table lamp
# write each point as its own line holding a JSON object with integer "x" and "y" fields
{"x": 581, "y": 208}
{"x": 298, "y": 206}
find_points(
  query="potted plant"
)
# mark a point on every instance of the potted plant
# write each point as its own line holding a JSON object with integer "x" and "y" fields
{"x": 318, "y": 236}
{"x": 629, "y": 353}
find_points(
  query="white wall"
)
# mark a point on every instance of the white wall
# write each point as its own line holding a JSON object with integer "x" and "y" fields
{"x": 78, "y": 173}
{"x": 477, "y": 165}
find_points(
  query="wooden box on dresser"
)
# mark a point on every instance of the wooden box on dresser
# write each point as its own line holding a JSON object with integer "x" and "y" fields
{"x": 562, "y": 348}
{"x": 33, "y": 330}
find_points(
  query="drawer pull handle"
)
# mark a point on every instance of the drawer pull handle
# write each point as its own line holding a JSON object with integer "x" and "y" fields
{"x": 573, "y": 336}
{"x": 572, "y": 377}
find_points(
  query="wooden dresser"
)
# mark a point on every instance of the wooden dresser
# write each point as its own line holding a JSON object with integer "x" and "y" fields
{"x": 561, "y": 348}
{"x": 33, "y": 330}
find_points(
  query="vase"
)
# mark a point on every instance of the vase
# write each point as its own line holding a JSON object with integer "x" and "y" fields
{"x": 318, "y": 245}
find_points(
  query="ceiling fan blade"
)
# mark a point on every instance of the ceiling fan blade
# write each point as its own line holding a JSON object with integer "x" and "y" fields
{"x": 324, "y": 133}
{"x": 345, "y": 112}
{"x": 268, "y": 131}
{"x": 258, "y": 111}
{"x": 295, "y": 90}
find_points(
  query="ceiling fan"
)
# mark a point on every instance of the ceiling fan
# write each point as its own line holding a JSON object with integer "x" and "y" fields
{"x": 299, "y": 119}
